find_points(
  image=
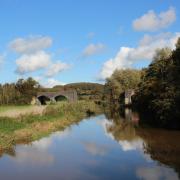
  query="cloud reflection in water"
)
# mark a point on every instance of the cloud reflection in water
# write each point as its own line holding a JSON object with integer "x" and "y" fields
{"x": 38, "y": 153}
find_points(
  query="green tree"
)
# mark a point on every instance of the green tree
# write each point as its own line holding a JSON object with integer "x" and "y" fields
{"x": 18, "y": 93}
{"x": 159, "y": 90}
{"x": 119, "y": 82}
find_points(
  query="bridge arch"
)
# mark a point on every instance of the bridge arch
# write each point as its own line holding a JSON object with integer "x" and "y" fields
{"x": 43, "y": 99}
{"x": 61, "y": 97}
{"x": 70, "y": 95}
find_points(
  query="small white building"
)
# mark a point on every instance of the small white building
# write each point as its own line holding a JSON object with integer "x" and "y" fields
{"x": 128, "y": 94}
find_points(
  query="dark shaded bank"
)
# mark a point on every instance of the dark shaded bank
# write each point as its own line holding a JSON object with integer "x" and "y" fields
{"x": 149, "y": 118}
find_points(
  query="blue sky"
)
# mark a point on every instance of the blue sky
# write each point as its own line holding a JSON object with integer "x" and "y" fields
{"x": 64, "y": 41}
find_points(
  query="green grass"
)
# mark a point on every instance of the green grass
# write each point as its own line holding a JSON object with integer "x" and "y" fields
{"x": 9, "y": 125}
{"x": 32, "y": 127}
{"x": 14, "y": 107}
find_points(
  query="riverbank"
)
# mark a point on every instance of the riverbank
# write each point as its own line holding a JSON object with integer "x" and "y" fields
{"x": 30, "y": 127}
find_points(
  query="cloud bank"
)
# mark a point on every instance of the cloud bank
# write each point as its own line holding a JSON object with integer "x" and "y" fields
{"x": 32, "y": 62}
{"x": 93, "y": 49}
{"x": 52, "y": 82}
{"x": 30, "y": 44}
{"x": 127, "y": 56}
{"x": 153, "y": 22}
{"x": 57, "y": 68}
{"x": 33, "y": 57}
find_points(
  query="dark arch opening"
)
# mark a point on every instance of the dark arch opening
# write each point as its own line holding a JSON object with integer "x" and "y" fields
{"x": 43, "y": 99}
{"x": 61, "y": 98}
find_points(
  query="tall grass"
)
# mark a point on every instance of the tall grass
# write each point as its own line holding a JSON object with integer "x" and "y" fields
{"x": 54, "y": 117}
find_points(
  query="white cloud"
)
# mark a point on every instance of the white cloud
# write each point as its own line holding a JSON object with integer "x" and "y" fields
{"x": 32, "y": 62}
{"x": 56, "y": 68}
{"x": 30, "y": 44}
{"x": 152, "y": 21}
{"x": 48, "y": 83}
{"x": 118, "y": 62}
{"x": 51, "y": 82}
{"x": 126, "y": 57}
{"x": 33, "y": 56}
{"x": 93, "y": 49}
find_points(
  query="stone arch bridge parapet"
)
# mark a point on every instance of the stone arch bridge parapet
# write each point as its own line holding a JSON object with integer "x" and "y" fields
{"x": 71, "y": 95}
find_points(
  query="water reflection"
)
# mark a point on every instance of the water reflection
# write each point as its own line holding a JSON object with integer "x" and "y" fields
{"x": 157, "y": 144}
{"x": 156, "y": 173}
{"x": 96, "y": 149}
{"x": 110, "y": 146}
{"x": 122, "y": 129}
{"x": 163, "y": 146}
{"x": 36, "y": 153}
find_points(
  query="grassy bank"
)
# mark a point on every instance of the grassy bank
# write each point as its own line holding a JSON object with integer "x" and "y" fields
{"x": 10, "y": 107}
{"x": 26, "y": 128}
{"x": 16, "y": 111}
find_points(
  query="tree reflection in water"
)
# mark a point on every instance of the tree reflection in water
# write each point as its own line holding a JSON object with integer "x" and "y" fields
{"x": 160, "y": 144}
{"x": 141, "y": 152}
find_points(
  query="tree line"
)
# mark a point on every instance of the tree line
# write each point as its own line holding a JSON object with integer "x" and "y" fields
{"x": 157, "y": 87}
{"x": 119, "y": 82}
{"x": 18, "y": 93}
{"x": 24, "y": 90}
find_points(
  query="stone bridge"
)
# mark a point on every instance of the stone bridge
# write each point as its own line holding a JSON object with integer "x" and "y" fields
{"x": 70, "y": 95}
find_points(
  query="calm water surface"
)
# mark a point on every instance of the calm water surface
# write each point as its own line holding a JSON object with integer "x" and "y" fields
{"x": 97, "y": 148}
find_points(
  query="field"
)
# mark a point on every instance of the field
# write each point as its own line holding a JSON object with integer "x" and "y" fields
{"x": 15, "y": 111}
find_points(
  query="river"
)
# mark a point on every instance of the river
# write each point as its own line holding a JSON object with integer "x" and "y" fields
{"x": 99, "y": 147}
